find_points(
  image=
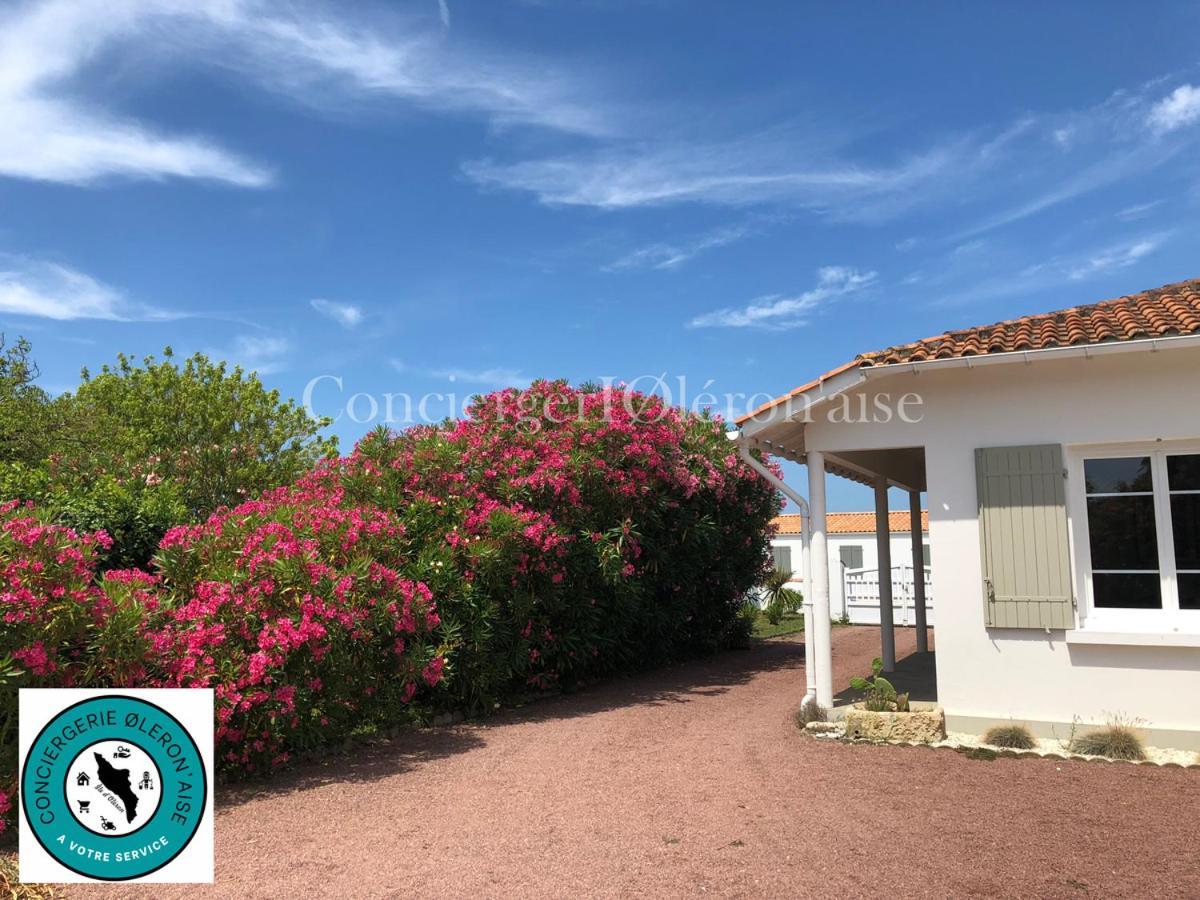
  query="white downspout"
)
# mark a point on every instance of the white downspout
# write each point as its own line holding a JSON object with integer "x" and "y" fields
{"x": 810, "y": 670}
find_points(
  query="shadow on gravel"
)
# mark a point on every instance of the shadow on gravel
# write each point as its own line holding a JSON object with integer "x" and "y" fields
{"x": 709, "y": 676}
{"x": 364, "y": 762}
{"x": 679, "y": 683}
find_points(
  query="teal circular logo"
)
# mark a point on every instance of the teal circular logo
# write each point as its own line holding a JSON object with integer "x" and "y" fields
{"x": 114, "y": 788}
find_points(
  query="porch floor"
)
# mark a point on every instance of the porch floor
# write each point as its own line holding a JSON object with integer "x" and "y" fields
{"x": 915, "y": 673}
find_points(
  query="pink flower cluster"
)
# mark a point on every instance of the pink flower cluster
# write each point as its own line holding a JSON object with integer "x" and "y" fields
{"x": 48, "y": 593}
{"x": 295, "y": 608}
{"x": 577, "y": 517}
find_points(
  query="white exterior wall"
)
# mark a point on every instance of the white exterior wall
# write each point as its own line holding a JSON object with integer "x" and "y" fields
{"x": 1021, "y": 674}
{"x": 901, "y": 556}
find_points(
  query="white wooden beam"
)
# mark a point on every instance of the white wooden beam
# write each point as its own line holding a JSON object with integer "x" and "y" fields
{"x": 918, "y": 557}
{"x": 883, "y": 543}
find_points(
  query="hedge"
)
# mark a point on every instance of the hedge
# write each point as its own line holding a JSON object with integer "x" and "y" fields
{"x": 553, "y": 535}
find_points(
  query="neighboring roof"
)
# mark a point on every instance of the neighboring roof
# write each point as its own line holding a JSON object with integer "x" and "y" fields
{"x": 851, "y": 522}
{"x": 1169, "y": 311}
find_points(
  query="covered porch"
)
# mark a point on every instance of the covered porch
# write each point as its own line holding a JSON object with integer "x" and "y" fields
{"x": 881, "y": 470}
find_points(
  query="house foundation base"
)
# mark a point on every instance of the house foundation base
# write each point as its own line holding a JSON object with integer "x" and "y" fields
{"x": 1172, "y": 738}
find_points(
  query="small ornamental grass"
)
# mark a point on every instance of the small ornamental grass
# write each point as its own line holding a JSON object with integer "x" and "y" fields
{"x": 810, "y": 712}
{"x": 1117, "y": 740}
{"x": 1011, "y": 737}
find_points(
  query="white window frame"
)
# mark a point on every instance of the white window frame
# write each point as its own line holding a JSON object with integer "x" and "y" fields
{"x": 1170, "y": 618}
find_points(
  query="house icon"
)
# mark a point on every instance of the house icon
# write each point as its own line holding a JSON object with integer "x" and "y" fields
{"x": 82, "y": 779}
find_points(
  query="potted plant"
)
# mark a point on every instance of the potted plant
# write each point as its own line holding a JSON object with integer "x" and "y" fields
{"x": 885, "y": 715}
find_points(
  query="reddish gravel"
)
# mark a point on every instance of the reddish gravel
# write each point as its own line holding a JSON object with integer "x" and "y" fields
{"x": 694, "y": 780}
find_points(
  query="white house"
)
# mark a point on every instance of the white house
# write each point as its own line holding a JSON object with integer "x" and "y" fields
{"x": 854, "y": 564}
{"x": 1061, "y": 458}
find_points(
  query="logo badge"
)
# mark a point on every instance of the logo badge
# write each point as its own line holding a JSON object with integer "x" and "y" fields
{"x": 116, "y": 785}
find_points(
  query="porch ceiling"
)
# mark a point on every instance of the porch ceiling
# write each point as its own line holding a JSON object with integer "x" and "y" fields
{"x": 903, "y": 467}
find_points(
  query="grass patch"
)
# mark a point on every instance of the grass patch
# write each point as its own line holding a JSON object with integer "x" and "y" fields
{"x": 1012, "y": 737}
{"x": 791, "y": 623}
{"x": 810, "y": 712}
{"x": 1115, "y": 741}
{"x": 12, "y": 889}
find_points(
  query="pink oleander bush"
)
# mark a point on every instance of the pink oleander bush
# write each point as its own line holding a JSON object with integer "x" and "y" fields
{"x": 572, "y": 533}
{"x": 50, "y": 603}
{"x": 297, "y": 610}
{"x": 553, "y": 535}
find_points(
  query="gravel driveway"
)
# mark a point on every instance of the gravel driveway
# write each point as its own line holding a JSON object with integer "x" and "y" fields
{"x": 694, "y": 781}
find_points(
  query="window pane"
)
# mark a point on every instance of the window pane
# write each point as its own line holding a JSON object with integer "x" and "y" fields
{"x": 1127, "y": 591}
{"x": 783, "y": 558}
{"x": 1189, "y": 591}
{"x": 1183, "y": 473}
{"x": 852, "y": 557}
{"x": 1185, "y": 528}
{"x": 1122, "y": 533}
{"x": 1118, "y": 476}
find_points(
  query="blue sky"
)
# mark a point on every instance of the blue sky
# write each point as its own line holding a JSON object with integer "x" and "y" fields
{"x": 444, "y": 197}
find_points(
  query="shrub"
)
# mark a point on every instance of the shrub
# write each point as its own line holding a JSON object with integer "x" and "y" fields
{"x": 1013, "y": 737}
{"x": 780, "y": 599}
{"x": 1117, "y": 740}
{"x": 743, "y": 625}
{"x": 581, "y": 532}
{"x": 49, "y": 605}
{"x": 297, "y": 609}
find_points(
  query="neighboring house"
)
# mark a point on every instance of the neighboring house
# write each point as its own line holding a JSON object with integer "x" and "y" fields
{"x": 854, "y": 564}
{"x": 1061, "y": 456}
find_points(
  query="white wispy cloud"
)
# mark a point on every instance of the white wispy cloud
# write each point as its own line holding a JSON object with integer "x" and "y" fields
{"x": 998, "y": 175}
{"x": 739, "y": 173}
{"x": 345, "y": 314}
{"x": 778, "y": 312}
{"x": 265, "y": 354}
{"x": 49, "y": 290}
{"x": 317, "y": 54}
{"x": 1117, "y": 256}
{"x": 1006, "y": 271}
{"x": 492, "y": 377}
{"x": 1179, "y": 108}
{"x": 663, "y": 255}
{"x": 51, "y": 134}
{"x": 1138, "y": 211}
{"x": 497, "y": 376}
{"x": 444, "y": 13}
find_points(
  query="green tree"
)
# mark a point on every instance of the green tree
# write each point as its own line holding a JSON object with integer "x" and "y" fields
{"x": 139, "y": 448}
{"x": 215, "y": 431}
{"x": 25, "y": 409}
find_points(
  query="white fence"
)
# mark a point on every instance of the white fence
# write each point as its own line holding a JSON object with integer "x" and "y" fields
{"x": 860, "y": 588}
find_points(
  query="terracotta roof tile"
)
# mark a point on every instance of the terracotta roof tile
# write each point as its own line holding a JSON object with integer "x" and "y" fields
{"x": 850, "y": 522}
{"x": 1167, "y": 311}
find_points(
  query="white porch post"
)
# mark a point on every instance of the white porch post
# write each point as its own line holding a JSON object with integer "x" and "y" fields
{"x": 883, "y": 540}
{"x": 918, "y": 555}
{"x": 818, "y": 558}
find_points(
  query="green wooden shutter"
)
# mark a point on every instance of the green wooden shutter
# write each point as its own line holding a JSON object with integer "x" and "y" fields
{"x": 1023, "y": 533}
